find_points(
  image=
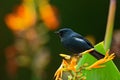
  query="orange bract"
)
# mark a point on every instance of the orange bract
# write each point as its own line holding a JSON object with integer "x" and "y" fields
{"x": 73, "y": 64}
{"x": 58, "y": 73}
{"x": 22, "y": 19}
{"x": 98, "y": 64}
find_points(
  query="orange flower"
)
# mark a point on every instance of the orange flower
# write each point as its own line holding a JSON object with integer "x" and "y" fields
{"x": 58, "y": 73}
{"x": 48, "y": 15}
{"x": 21, "y": 19}
{"x": 69, "y": 65}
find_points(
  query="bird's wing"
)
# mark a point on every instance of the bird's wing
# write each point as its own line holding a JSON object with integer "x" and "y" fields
{"x": 78, "y": 36}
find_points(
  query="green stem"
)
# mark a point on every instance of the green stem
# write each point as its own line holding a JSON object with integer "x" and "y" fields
{"x": 110, "y": 24}
{"x": 36, "y": 2}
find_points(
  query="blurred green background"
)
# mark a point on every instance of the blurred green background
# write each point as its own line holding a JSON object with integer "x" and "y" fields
{"x": 87, "y": 17}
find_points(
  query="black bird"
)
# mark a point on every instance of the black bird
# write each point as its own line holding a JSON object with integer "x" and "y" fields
{"x": 76, "y": 43}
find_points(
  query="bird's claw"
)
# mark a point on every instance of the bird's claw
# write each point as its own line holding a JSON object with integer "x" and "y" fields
{"x": 98, "y": 64}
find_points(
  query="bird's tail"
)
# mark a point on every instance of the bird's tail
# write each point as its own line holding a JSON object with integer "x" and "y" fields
{"x": 97, "y": 55}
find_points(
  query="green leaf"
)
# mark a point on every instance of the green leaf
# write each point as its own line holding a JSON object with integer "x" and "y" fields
{"x": 109, "y": 72}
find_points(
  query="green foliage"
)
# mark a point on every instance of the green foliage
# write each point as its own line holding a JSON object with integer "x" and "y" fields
{"x": 109, "y": 72}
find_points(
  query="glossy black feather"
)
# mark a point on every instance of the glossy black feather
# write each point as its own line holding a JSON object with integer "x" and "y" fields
{"x": 76, "y": 43}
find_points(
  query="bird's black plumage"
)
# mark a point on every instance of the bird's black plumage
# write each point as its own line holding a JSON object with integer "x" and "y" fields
{"x": 76, "y": 43}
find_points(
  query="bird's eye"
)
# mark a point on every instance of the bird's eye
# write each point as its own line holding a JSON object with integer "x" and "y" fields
{"x": 61, "y": 33}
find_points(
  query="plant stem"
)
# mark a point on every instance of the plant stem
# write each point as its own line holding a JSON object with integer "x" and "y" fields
{"x": 110, "y": 24}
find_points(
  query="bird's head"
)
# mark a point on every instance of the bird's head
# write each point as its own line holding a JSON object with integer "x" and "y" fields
{"x": 64, "y": 32}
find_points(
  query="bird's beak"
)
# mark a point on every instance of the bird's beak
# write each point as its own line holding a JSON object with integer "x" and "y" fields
{"x": 56, "y": 32}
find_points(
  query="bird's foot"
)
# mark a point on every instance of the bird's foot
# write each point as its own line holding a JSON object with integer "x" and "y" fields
{"x": 87, "y": 51}
{"x": 66, "y": 65}
{"x": 98, "y": 64}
